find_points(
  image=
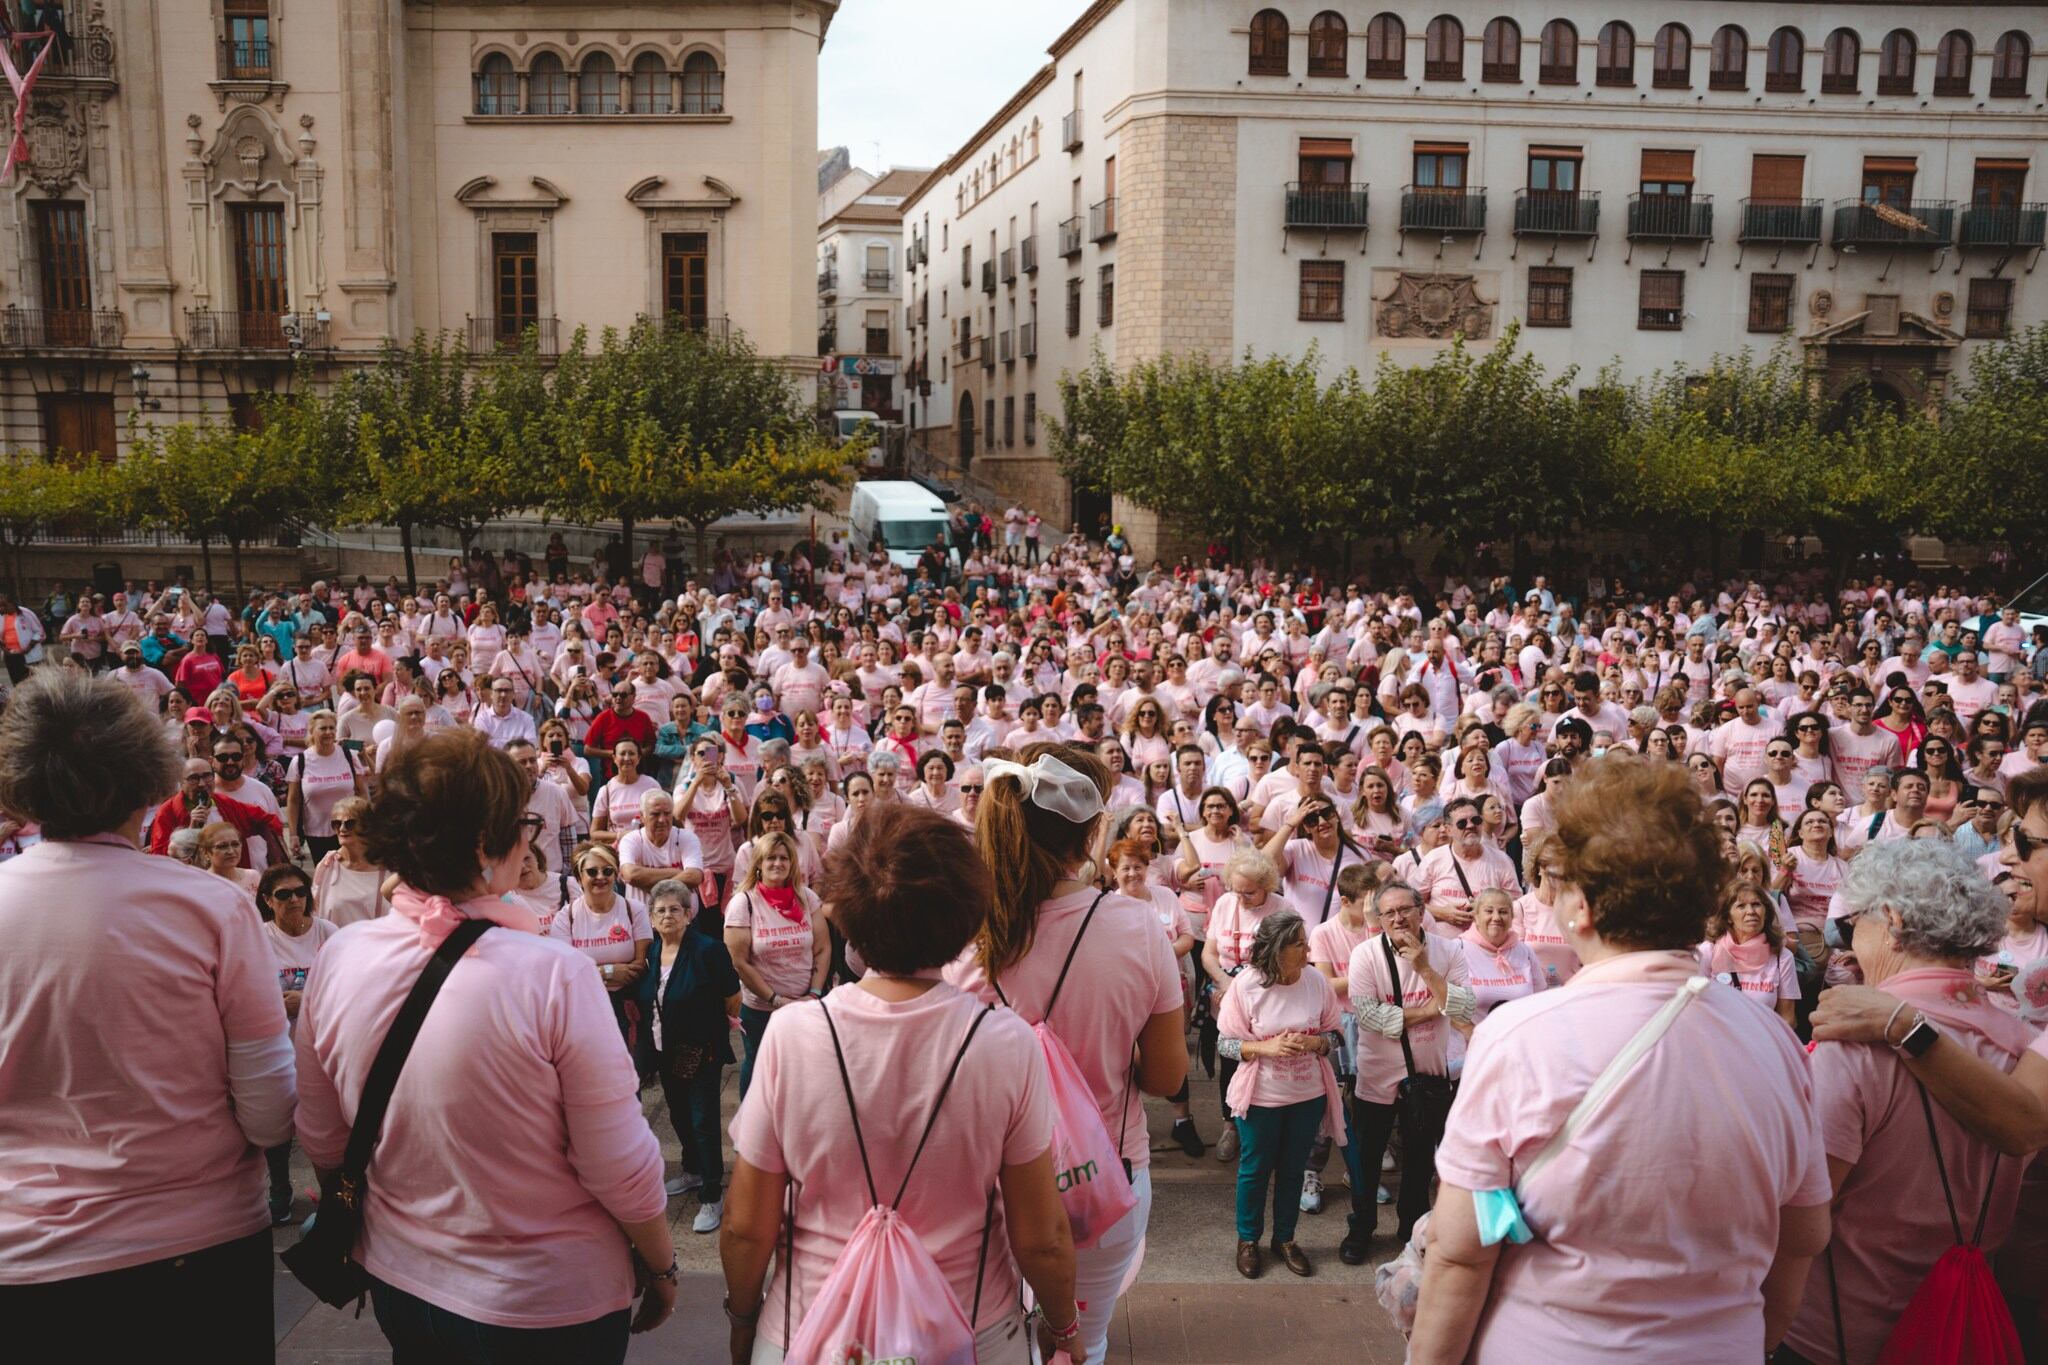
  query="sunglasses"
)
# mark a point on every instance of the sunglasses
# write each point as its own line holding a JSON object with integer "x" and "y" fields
{"x": 596, "y": 870}
{"x": 1321, "y": 817}
{"x": 1807, "y": 729}
{"x": 290, "y": 893}
{"x": 1777, "y": 753}
{"x": 1701, "y": 766}
{"x": 970, "y": 788}
{"x": 227, "y": 758}
{"x": 1464, "y": 824}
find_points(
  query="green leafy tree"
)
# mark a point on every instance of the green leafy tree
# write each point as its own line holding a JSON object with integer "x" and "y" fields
{"x": 1993, "y": 478}
{"x": 218, "y": 483}
{"x": 37, "y": 491}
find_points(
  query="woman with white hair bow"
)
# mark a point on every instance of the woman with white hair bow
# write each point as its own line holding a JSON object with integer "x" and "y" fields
{"x": 1034, "y": 831}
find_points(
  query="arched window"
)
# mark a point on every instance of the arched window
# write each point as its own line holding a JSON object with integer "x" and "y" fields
{"x": 1730, "y": 68}
{"x": 1386, "y": 47}
{"x": 1952, "y": 63}
{"x": 1785, "y": 60}
{"x": 1672, "y": 61}
{"x": 2009, "y": 66}
{"x": 597, "y": 85}
{"x": 703, "y": 85}
{"x": 1615, "y": 56}
{"x": 547, "y": 86}
{"x": 1329, "y": 45}
{"x": 1843, "y": 54}
{"x": 1443, "y": 50}
{"x": 1557, "y": 62}
{"x": 650, "y": 84}
{"x": 1895, "y": 62}
{"x": 1501, "y": 57}
{"x": 497, "y": 86}
{"x": 1269, "y": 43}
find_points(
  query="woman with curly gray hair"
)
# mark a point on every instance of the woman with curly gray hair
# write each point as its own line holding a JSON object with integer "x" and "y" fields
{"x": 1922, "y": 915}
{"x": 1278, "y": 1022}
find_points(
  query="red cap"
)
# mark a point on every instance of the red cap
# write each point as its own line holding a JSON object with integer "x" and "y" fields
{"x": 198, "y": 715}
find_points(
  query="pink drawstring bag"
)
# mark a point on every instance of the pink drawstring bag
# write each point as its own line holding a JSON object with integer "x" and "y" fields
{"x": 1094, "y": 1184}
{"x": 886, "y": 1298}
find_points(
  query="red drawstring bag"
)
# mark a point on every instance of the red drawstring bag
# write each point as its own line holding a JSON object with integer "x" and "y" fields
{"x": 1957, "y": 1316}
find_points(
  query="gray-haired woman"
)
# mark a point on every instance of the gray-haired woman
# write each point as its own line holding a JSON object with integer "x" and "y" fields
{"x": 188, "y": 1080}
{"x": 1922, "y": 915}
{"x": 1277, "y": 1021}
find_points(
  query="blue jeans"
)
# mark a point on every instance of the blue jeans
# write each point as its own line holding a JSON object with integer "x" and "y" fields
{"x": 753, "y": 1023}
{"x": 1273, "y": 1146}
{"x": 422, "y": 1334}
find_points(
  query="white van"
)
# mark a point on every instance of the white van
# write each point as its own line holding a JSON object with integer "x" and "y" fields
{"x": 905, "y": 516}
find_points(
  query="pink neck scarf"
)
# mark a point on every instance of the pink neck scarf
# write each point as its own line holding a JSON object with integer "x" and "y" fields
{"x": 1753, "y": 956}
{"x": 437, "y": 916}
{"x": 1500, "y": 953}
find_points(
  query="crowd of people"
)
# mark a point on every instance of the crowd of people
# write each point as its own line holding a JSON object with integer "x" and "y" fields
{"x": 1602, "y": 934}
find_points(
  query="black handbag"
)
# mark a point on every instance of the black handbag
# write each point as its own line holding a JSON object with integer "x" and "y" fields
{"x": 324, "y": 1260}
{"x": 1427, "y": 1097}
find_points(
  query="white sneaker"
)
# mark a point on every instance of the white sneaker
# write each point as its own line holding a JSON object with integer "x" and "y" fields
{"x": 1386, "y": 1161}
{"x": 682, "y": 1184}
{"x": 707, "y": 1218}
{"x": 1311, "y": 1193}
{"x": 1382, "y": 1196}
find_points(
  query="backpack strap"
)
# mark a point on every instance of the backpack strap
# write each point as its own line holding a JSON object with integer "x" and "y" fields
{"x": 1079, "y": 934}
{"x": 1941, "y": 1169}
{"x": 1394, "y": 976}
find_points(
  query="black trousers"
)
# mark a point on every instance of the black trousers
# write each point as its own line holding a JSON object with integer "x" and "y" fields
{"x": 207, "y": 1305}
{"x": 693, "y": 1112}
{"x": 1371, "y": 1126}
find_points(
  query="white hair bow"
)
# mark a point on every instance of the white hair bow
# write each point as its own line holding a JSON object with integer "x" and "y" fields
{"x": 1051, "y": 786}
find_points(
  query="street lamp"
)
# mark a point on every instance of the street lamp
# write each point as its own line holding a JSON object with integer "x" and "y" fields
{"x": 139, "y": 377}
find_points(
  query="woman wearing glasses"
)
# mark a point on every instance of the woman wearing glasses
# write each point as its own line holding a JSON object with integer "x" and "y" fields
{"x": 220, "y": 853}
{"x": 1904, "y": 717}
{"x": 1945, "y": 780}
{"x": 347, "y": 886}
{"x": 604, "y": 926}
{"x": 285, "y": 899}
{"x": 777, "y": 938}
{"x": 1308, "y": 852}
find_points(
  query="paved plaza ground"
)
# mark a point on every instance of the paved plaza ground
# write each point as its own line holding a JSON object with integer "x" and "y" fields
{"x": 1190, "y": 1306}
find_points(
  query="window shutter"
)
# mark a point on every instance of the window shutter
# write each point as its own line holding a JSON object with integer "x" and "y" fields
{"x": 1905, "y": 164}
{"x": 1777, "y": 177}
{"x": 1667, "y": 166}
{"x": 1326, "y": 146}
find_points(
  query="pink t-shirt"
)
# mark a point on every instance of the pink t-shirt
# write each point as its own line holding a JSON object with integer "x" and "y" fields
{"x": 124, "y": 979}
{"x": 602, "y": 935}
{"x": 1173, "y": 916}
{"x": 782, "y": 947}
{"x": 323, "y": 779}
{"x": 1307, "y": 1006}
{"x": 1870, "y": 1115}
{"x": 1739, "y": 747}
{"x": 1637, "y": 1257}
{"x": 619, "y": 803}
{"x": 294, "y": 956}
{"x": 1124, "y": 974}
{"x": 1381, "y": 1065}
{"x": 1308, "y": 879}
{"x": 1778, "y": 981}
{"x": 1814, "y": 883}
{"x": 710, "y": 817}
{"x": 1538, "y": 926}
{"x": 1436, "y": 877}
{"x": 1856, "y": 755}
{"x": 1330, "y": 944}
{"x": 1233, "y": 925}
{"x": 795, "y": 1121}
{"x": 638, "y": 850}
{"x": 1496, "y": 978}
{"x": 520, "y": 1053}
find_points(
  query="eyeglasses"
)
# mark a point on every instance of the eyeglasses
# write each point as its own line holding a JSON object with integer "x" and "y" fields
{"x": 1777, "y": 753}
{"x": 2023, "y": 843}
{"x": 1464, "y": 824}
{"x": 1807, "y": 729}
{"x": 343, "y": 826}
{"x": 970, "y": 788}
{"x": 595, "y": 870}
{"x": 290, "y": 893}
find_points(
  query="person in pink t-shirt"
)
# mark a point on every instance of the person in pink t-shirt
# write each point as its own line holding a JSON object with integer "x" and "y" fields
{"x": 1035, "y": 833}
{"x": 132, "y": 1216}
{"x": 516, "y": 1180}
{"x": 777, "y": 937}
{"x": 979, "y": 1194}
{"x": 1635, "y": 1256}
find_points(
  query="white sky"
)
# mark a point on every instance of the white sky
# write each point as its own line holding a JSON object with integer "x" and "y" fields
{"x": 918, "y": 77}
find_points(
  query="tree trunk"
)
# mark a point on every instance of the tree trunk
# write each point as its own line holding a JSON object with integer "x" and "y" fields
{"x": 235, "y": 551}
{"x": 206, "y": 560}
{"x": 20, "y": 584}
{"x": 626, "y": 534}
{"x": 412, "y": 578}
{"x": 703, "y": 565}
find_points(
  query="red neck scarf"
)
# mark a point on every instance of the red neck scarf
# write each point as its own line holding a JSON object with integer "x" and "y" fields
{"x": 784, "y": 901}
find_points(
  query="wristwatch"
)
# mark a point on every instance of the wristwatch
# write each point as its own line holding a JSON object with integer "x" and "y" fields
{"x": 607, "y": 971}
{"x": 1918, "y": 1038}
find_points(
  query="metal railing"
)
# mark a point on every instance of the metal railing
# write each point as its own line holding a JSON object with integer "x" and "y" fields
{"x": 878, "y": 281}
{"x": 828, "y": 280}
{"x": 1027, "y": 340}
{"x": 1009, "y": 265}
{"x": 1780, "y": 220}
{"x": 984, "y": 352}
{"x": 828, "y": 341}
{"x": 717, "y": 329}
{"x": 1070, "y": 131}
{"x": 1070, "y": 237}
{"x": 1918, "y": 223}
{"x": 1557, "y": 213}
{"x": 208, "y": 329}
{"x": 1428, "y": 209}
{"x": 245, "y": 61}
{"x": 988, "y": 277}
{"x": 1102, "y": 220}
{"x": 509, "y": 334}
{"x": 1006, "y": 348}
{"x": 1311, "y": 205}
{"x": 1671, "y": 217}
{"x": 96, "y": 329}
{"x": 1027, "y": 254}
{"x": 2005, "y": 225}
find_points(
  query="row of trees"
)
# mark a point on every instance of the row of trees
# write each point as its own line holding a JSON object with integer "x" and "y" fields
{"x": 1489, "y": 448}
{"x": 658, "y": 422}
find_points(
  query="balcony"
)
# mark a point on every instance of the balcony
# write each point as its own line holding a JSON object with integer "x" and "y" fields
{"x": 1006, "y": 348}
{"x": 1009, "y": 263}
{"x": 1428, "y": 209}
{"x": 1919, "y": 223}
{"x": 2005, "y": 225}
{"x": 828, "y": 340}
{"x": 244, "y": 61}
{"x": 988, "y": 277}
{"x": 717, "y": 329}
{"x": 828, "y": 280}
{"x": 1789, "y": 221}
{"x": 219, "y": 330}
{"x": 1552, "y": 213}
{"x": 1027, "y": 255}
{"x": 879, "y": 281}
{"x": 84, "y": 329}
{"x": 1070, "y": 132}
{"x": 964, "y": 348}
{"x": 1027, "y": 340}
{"x": 984, "y": 353}
{"x": 1671, "y": 217}
{"x": 1070, "y": 237}
{"x": 1338, "y": 208}
{"x": 1102, "y": 221}
{"x": 509, "y": 334}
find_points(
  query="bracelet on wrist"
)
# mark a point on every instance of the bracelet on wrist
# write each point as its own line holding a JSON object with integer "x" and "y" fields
{"x": 1061, "y": 1334}
{"x": 741, "y": 1319}
{"x": 648, "y": 1273}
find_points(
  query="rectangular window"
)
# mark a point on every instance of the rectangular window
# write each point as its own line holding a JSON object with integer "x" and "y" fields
{"x": 1550, "y": 296}
{"x": 1997, "y": 184}
{"x": 1667, "y": 173}
{"x": 1661, "y": 305}
{"x": 1990, "y": 308}
{"x": 79, "y": 424}
{"x": 63, "y": 264}
{"x": 246, "y": 56}
{"x": 1888, "y": 180}
{"x": 1030, "y": 419}
{"x": 988, "y": 419}
{"x": 877, "y": 330}
{"x": 1105, "y": 296}
{"x": 685, "y": 276}
{"x": 1325, "y": 161}
{"x": 1009, "y": 421}
{"x": 1441, "y": 165}
{"x": 1074, "y": 306}
{"x": 260, "y": 290}
{"x": 1777, "y": 179}
{"x": 1770, "y": 303}
{"x": 1554, "y": 170}
{"x": 1322, "y": 291}
{"x": 515, "y": 284}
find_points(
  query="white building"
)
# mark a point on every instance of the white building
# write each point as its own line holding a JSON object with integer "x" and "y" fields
{"x": 860, "y": 313}
{"x": 1649, "y": 183}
